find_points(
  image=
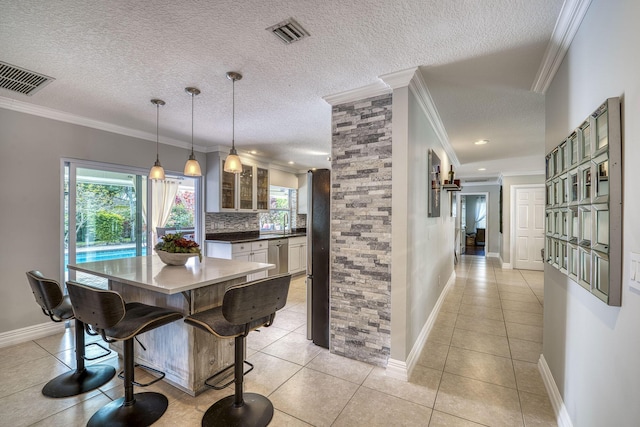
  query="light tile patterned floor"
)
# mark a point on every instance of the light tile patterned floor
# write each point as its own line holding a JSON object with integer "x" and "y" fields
{"x": 478, "y": 368}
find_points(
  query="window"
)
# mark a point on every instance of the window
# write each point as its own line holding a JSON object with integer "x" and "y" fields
{"x": 279, "y": 217}
{"x": 480, "y": 212}
{"x": 106, "y": 211}
{"x": 103, "y": 213}
{"x": 178, "y": 212}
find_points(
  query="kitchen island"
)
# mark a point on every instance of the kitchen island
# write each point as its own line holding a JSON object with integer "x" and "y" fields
{"x": 187, "y": 355}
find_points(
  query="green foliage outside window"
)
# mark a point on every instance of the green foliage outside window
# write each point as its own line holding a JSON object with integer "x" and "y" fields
{"x": 183, "y": 211}
{"x": 94, "y": 205}
{"x": 106, "y": 213}
{"x": 109, "y": 227}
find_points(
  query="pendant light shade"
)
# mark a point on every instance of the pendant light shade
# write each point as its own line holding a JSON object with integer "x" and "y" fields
{"x": 232, "y": 163}
{"x": 157, "y": 172}
{"x": 192, "y": 167}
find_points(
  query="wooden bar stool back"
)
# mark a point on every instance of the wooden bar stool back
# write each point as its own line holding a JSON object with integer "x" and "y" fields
{"x": 107, "y": 313}
{"x": 244, "y": 308}
{"x": 49, "y": 296}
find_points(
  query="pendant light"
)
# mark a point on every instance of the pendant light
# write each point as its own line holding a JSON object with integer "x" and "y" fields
{"x": 192, "y": 167}
{"x": 157, "y": 172}
{"x": 232, "y": 163}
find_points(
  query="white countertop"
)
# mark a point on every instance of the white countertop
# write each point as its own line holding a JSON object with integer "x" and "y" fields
{"x": 151, "y": 273}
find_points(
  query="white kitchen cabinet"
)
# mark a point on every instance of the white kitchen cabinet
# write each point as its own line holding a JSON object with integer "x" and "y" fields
{"x": 247, "y": 191}
{"x": 249, "y": 251}
{"x": 297, "y": 254}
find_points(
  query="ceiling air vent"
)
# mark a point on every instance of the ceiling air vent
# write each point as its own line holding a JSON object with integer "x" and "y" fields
{"x": 289, "y": 31}
{"x": 23, "y": 81}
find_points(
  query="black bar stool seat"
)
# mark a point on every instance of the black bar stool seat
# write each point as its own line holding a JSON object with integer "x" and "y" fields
{"x": 108, "y": 314}
{"x": 244, "y": 308}
{"x": 48, "y": 295}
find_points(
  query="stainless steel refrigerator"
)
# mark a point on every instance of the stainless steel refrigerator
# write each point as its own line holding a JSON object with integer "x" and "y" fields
{"x": 318, "y": 239}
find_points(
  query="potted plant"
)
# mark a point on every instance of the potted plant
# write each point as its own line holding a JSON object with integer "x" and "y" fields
{"x": 176, "y": 250}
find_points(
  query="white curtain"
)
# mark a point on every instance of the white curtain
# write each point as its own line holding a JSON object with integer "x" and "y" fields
{"x": 163, "y": 197}
{"x": 481, "y": 213}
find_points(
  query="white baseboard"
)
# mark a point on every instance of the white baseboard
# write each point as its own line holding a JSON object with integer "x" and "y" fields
{"x": 505, "y": 265}
{"x": 402, "y": 369}
{"x": 562, "y": 416}
{"x": 18, "y": 336}
{"x": 493, "y": 255}
{"x": 397, "y": 369}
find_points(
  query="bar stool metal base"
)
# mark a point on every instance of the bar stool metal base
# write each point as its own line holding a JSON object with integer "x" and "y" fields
{"x": 146, "y": 409}
{"x": 256, "y": 411}
{"x": 73, "y": 383}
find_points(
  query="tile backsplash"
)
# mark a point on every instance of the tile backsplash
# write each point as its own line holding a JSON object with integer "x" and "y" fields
{"x": 224, "y": 222}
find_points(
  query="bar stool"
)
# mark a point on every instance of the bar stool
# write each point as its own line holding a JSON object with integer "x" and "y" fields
{"x": 54, "y": 304}
{"x": 107, "y": 313}
{"x": 244, "y": 308}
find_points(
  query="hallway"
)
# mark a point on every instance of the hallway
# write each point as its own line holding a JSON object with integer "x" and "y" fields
{"x": 487, "y": 340}
{"x": 478, "y": 367}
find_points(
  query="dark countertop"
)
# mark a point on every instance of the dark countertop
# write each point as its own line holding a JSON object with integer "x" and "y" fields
{"x": 250, "y": 236}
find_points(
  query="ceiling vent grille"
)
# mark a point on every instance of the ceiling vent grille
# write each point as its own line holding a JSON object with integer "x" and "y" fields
{"x": 289, "y": 31}
{"x": 23, "y": 81}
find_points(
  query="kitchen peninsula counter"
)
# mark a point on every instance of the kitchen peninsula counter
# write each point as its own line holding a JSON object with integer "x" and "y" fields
{"x": 187, "y": 355}
{"x": 150, "y": 273}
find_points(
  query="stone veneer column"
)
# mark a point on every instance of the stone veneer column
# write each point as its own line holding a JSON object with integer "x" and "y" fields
{"x": 361, "y": 230}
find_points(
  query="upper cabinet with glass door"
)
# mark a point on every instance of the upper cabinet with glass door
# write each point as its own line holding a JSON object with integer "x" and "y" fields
{"x": 247, "y": 191}
{"x": 262, "y": 189}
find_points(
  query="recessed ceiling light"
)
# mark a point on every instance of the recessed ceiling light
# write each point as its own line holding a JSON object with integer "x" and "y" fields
{"x": 290, "y": 163}
{"x": 482, "y": 169}
{"x": 253, "y": 152}
{"x": 481, "y": 142}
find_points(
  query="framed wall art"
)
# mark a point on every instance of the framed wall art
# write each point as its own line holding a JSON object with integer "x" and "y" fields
{"x": 584, "y": 204}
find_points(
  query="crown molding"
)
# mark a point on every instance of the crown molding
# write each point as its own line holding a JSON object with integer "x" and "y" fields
{"x": 419, "y": 88}
{"x": 567, "y": 25}
{"x": 399, "y": 79}
{"x": 374, "y": 89}
{"x": 412, "y": 78}
{"x": 385, "y": 85}
{"x": 61, "y": 116}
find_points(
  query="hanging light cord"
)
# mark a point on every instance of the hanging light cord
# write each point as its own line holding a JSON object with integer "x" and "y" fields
{"x": 192, "y": 96}
{"x": 157, "y": 133}
{"x": 233, "y": 115}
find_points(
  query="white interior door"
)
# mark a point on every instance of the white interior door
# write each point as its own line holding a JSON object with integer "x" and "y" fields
{"x": 529, "y": 228}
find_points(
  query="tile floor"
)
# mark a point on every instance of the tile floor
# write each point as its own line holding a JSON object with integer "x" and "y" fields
{"x": 478, "y": 367}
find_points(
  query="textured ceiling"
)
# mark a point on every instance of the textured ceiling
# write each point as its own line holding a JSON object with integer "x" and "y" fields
{"x": 478, "y": 58}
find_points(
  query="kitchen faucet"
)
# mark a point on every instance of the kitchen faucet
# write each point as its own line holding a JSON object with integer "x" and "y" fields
{"x": 285, "y": 220}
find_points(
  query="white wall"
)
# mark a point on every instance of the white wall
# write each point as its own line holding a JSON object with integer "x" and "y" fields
{"x": 593, "y": 350}
{"x": 30, "y": 151}
{"x": 281, "y": 178}
{"x": 424, "y": 246}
